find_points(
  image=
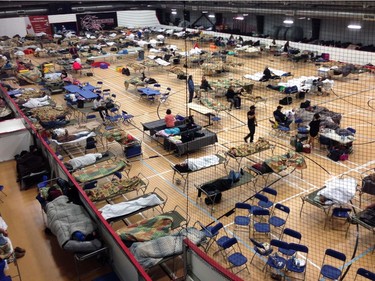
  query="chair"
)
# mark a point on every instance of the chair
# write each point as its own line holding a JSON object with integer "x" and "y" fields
{"x": 216, "y": 119}
{"x": 242, "y": 216}
{"x": 44, "y": 182}
{"x": 341, "y": 214}
{"x": 290, "y": 236}
{"x": 117, "y": 175}
{"x": 106, "y": 93}
{"x": 329, "y": 271}
{"x": 262, "y": 200}
{"x": 270, "y": 192}
{"x": 279, "y": 217}
{"x": 221, "y": 242}
{"x": 260, "y": 249}
{"x": 128, "y": 118}
{"x": 261, "y": 222}
{"x": 236, "y": 259}
{"x": 365, "y": 273}
{"x": 298, "y": 262}
{"x": 90, "y": 117}
{"x": 157, "y": 86}
{"x": 90, "y": 144}
{"x": 276, "y": 261}
{"x": 90, "y": 185}
{"x": 211, "y": 233}
{"x": 278, "y": 129}
{"x": 99, "y": 85}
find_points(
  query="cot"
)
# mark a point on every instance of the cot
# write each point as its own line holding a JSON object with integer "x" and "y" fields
{"x": 366, "y": 219}
{"x": 126, "y": 209}
{"x": 192, "y": 165}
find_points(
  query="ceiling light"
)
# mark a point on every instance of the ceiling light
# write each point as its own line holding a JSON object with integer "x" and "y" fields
{"x": 245, "y": 15}
{"x": 211, "y": 16}
{"x": 288, "y": 21}
{"x": 354, "y": 26}
{"x": 174, "y": 13}
{"x": 204, "y": 12}
{"x": 239, "y": 18}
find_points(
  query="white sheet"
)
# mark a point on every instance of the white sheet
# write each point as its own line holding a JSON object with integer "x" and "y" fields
{"x": 84, "y": 160}
{"x": 162, "y": 62}
{"x": 92, "y": 134}
{"x": 124, "y": 208}
{"x": 339, "y": 190}
{"x": 37, "y": 102}
{"x": 202, "y": 162}
{"x": 255, "y": 77}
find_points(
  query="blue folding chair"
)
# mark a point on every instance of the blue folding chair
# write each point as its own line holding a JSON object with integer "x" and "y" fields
{"x": 211, "y": 232}
{"x": 298, "y": 262}
{"x": 279, "y": 217}
{"x": 236, "y": 259}
{"x": 343, "y": 215}
{"x": 276, "y": 261}
{"x": 44, "y": 182}
{"x": 269, "y": 203}
{"x": 260, "y": 250}
{"x": 261, "y": 222}
{"x": 290, "y": 236}
{"x": 242, "y": 216}
{"x": 329, "y": 271}
{"x": 262, "y": 200}
{"x": 117, "y": 175}
{"x": 365, "y": 274}
{"x": 128, "y": 118}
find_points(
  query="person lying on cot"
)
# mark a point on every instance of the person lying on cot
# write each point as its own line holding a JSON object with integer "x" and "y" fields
{"x": 62, "y": 135}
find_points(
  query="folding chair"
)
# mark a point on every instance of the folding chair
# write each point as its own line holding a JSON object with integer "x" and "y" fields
{"x": 44, "y": 182}
{"x": 106, "y": 93}
{"x": 343, "y": 215}
{"x": 298, "y": 262}
{"x": 268, "y": 192}
{"x": 276, "y": 261}
{"x": 221, "y": 242}
{"x": 262, "y": 200}
{"x": 329, "y": 271}
{"x": 211, "y": 233}
{"x": 260, "y": 250}
{"x": 236, "y": 259}
{"x": 365, "y": 273}
{"x": 126, "y": 118}
{"x": 279, "y": 217}
{"x": 242, "y": 216}
{"x": 261, "y": 222}
{"x": 290, "y": 236}
{"x": 99, "y": 85}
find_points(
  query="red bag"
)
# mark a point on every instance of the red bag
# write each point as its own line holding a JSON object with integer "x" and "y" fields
{"x": 307, "y": 149}
{"x": 344, "y": 157}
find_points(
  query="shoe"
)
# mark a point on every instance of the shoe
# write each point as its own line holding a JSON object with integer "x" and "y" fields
{"x": 245, "y": 139}
{"x": 19, "y": 255}
{"x": 196, "y": 97}
{"x": 241, "y": 171}
{"x": 19, "y": 250}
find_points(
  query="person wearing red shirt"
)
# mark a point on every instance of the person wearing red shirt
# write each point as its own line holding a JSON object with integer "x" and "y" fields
{"x": 169, "y": 119}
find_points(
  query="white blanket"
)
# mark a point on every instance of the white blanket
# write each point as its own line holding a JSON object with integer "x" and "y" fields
{"x": 202, "y": 162}
{"x": 339, "y": 191}
{"x": 37, "y": 102}
{"x": 125, "y": 208}
{"x": 92, "y": 134}
{"x": 84, "y": 160}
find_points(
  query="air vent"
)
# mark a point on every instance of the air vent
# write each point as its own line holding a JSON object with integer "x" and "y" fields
{"x": 21, "y": 12}
{"x": 369, "y": 17}
{"x": 80, "y": 9}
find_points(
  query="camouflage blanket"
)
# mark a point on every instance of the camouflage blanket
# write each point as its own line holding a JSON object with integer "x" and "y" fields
{"x": 247, "y": 149}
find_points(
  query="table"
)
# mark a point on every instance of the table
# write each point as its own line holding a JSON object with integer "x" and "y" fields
{"x": 332, "y": 135}
{"x": 202, "y": 110}
{"x": 85, "y": 91}
{"x": 148, "y": 93}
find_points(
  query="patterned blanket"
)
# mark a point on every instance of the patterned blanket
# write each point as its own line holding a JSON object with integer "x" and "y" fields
{"x": 279, "y": 163}
{"x": 118, "y": 135}
{"x": 147, "y": 229}
{"x": 49, "y": 113}
{"x": 247, "y": 149}
{"x": 212, "y": 104}
{"x": 150, "y": 253}
{"x": 99, "y": 171}
{"x": 114, "y": 188}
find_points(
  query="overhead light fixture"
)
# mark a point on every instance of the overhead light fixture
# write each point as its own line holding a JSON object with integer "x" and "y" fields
{"x": 174, "y": 12}
{"x": 288, "y": 21}
{"x": 239, "y": 18}
{"x": 245, "y": 15}
{"x": 211, "y": 16}
{"x": 204, "y": 12}
{"x": 354, "y": 26}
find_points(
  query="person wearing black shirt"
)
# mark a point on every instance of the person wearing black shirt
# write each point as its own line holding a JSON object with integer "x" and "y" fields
{"x": 233, "y": 98}
{"x": 281, "y": 118}
{"x": 314, "y": 128}
{"x": 205, "y": 86}
{"x": 251, "y": 123}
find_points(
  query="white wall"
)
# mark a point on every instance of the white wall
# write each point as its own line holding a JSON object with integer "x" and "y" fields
{"x": 137, "y": 18}
{"x": 13, "y": 26}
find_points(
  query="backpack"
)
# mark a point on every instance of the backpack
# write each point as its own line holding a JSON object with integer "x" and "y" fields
{"x": 299, "y": 146}
{"x": 300, "y": 95}
{"x": 291, "y": 90}
{"x": 125, "y": 71}
{"x": 334, "y": 155}
{"x": 213, "y": 198}
{"x": 305, "y": 104}
{"x": 286, "y": 101}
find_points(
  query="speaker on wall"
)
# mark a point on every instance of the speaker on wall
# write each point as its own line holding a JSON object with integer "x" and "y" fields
{"x": 59, "y": 8}
{"x": 219, "y": 18}
{"x": 315, "y": 28}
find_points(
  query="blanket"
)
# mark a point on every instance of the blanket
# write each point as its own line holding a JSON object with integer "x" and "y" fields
{"x": 125, "y": 208}
{"x": 339, "y": 190}
{"x": 152, "y": 252}
{"x": 196, "y": 164}
{"x": 247, "y": 149}
{"x": 113, "y": 188}
{"x": 63, "y": 219}
{"x": 98, "y": 171}
{"x": 213, "y": 104}
{"x": 279, "y": 163}
{"x": 147, "y": 229}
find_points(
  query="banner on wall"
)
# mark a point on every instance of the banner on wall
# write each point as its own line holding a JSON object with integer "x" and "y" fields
{"x": 94, "y": 22}
{"x": 38, "y": 25}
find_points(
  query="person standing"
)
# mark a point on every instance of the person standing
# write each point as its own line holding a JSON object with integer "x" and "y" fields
{"x": 314, "y": 129}
{"x": 190, "y": 88}
{"x": 251, "y": 123}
